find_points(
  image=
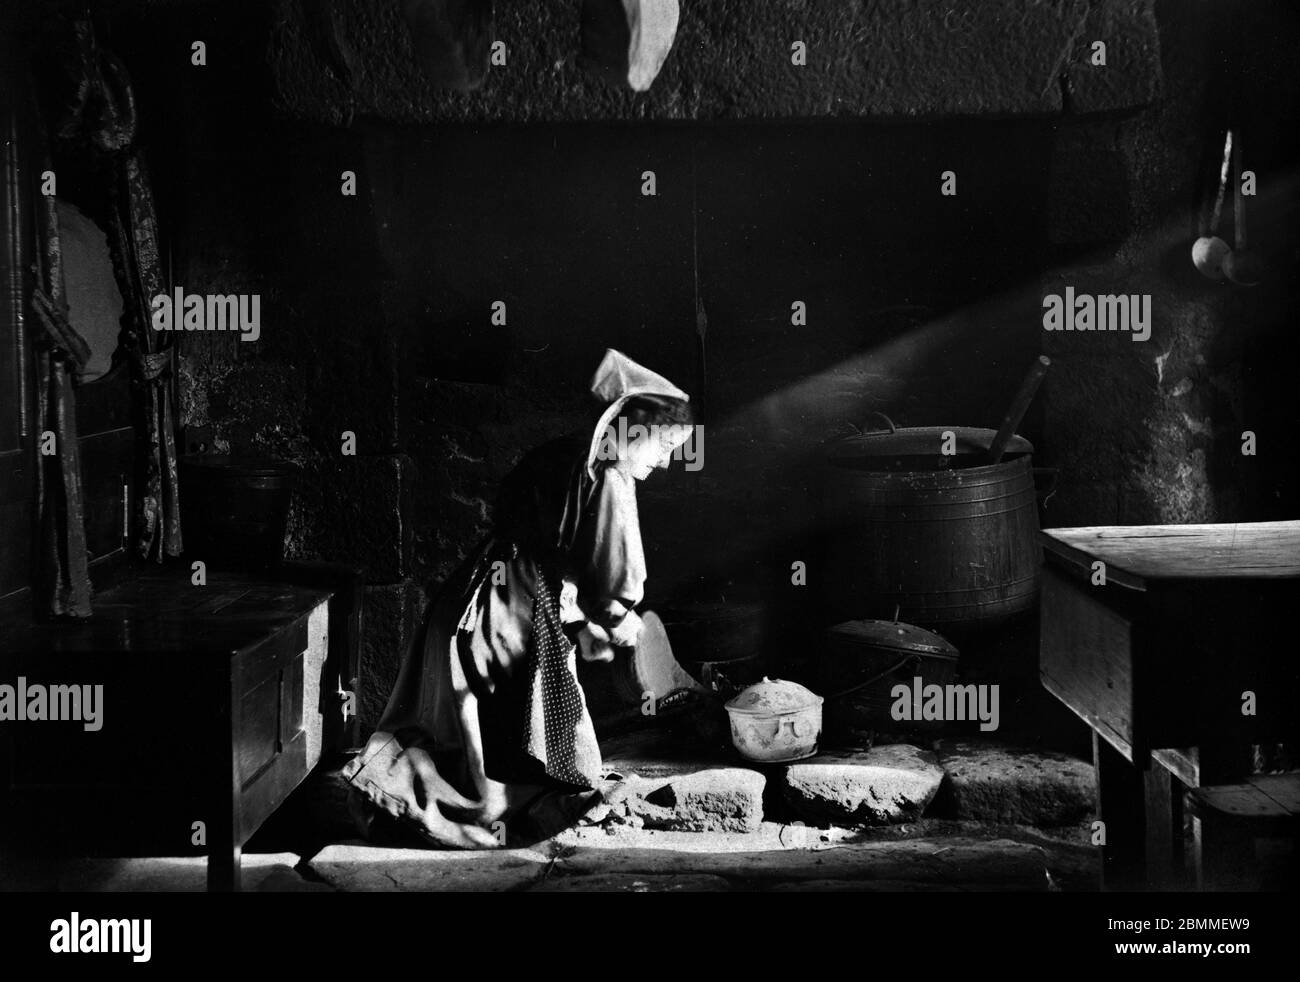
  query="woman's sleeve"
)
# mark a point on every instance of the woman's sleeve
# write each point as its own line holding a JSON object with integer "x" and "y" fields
{"x": 615, "y": 580}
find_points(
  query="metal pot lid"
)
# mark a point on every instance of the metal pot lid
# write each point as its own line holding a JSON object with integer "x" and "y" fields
{"x": 892, "y": 635}
{"x": 926, "y": 442}
{"x": 772, "y": 696}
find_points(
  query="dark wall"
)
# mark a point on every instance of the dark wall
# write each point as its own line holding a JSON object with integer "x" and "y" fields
{"x": 377, "y": 318}
{"x": 1152, "y": 432}
{"x": 845, "y": 217}
{"x": 376, "y": 309}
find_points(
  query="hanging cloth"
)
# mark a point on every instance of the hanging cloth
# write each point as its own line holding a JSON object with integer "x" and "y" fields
{"x": 135, "y": 244}
{"x": 62, "y": 586}
{"x": 104, "y": 116}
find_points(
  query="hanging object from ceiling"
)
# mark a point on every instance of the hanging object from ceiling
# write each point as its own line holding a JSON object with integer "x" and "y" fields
{"x": 452, "y": 39}
{"x": 627, "y": 41}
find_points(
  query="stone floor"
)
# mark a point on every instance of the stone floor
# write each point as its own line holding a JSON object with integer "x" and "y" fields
{"x": 957, "y": 815}
{"x": 958, "y": 856}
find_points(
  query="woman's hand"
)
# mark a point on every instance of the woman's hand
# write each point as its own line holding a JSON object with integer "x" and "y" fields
{"x": 593, "y": 643}
{"x": 594, "y": 640}
{"x": 626, "y": 632}
{"x": 596, "y": 643}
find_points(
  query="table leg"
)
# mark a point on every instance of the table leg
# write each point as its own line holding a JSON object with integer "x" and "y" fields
{"x": 225, "y": 852}
{"x": 1223, "y": 851}
{"x": 1164, "y": 828}
{"x": 1120, "y": 805}
{"x": 224, "y": 870}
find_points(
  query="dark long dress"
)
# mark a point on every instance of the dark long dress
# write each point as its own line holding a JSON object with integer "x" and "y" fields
{"x": 490, "y": 693}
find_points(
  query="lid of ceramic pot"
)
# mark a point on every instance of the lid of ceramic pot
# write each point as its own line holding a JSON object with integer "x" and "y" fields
{"x": 774, "y": 696}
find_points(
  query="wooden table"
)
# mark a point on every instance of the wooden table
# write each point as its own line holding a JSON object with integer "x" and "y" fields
{"x": 217, "y": 701}
{"x": 1158, "y": 637}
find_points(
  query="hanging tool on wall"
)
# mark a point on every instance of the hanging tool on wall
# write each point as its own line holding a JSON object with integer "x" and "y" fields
{"x": 1242, "y": 265}
{"x": 1209, "y": 251}
{"x": 1213, "y": 256}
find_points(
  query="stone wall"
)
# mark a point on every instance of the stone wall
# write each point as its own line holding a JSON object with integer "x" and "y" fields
{"x": 732, "y": 60}
{"x": 1152, "y": 432}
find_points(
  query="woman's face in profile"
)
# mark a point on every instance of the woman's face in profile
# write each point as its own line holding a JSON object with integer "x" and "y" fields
{"x": 652, "y": 449}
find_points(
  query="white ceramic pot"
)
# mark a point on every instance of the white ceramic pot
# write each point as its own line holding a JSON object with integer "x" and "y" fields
{"x": 774, "y": 721}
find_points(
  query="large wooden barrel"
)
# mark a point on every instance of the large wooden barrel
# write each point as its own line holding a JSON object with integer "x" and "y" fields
{"x": 941, "y": 540}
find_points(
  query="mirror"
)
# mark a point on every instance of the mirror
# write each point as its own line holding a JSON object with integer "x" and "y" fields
{"x": 94, "y": 301}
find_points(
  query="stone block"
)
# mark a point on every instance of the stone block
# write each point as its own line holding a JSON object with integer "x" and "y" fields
{"x": 881, "y": 786}
{"x": 972, "y": 862}
{"x": 1131, "y": 75}
{"x": 254, "y": 406}
{"x": 358, "y": 867}
{"x": 993, "y": 782}
{"x": 688, "y": 795}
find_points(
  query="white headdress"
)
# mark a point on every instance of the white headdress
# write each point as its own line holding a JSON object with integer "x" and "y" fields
{"x": 617, "y": 380}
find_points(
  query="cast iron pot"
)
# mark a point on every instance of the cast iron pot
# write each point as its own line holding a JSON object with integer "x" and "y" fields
{"x": 863, "y": 660}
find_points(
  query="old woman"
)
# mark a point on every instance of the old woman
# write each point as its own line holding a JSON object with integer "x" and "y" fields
{"x": 487, "y": 715}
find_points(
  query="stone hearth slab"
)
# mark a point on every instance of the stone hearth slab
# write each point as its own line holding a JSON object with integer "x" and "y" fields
{"x": 680, "y": 793}
{"x": 635, "y": 883}
{"x": 960, "y": 862}
{"x": 994, "y": 782}
{"x": 882, "y": 786}
{"x": 355, "y": 866}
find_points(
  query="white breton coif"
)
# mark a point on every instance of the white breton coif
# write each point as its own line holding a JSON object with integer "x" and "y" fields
{"x": 618, "y": 378}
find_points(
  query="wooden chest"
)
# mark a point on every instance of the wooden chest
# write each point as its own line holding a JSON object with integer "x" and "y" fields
{"x": 216, "y": 702}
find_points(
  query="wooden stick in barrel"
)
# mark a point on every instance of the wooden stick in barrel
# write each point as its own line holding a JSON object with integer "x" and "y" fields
{"x": 1017, "y": 411}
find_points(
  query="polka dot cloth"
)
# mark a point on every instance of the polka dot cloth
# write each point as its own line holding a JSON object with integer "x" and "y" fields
{"x": 557, "y": 729}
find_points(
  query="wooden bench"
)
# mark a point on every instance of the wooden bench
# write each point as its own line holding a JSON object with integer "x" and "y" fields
{"x": 1233, "y": 816}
